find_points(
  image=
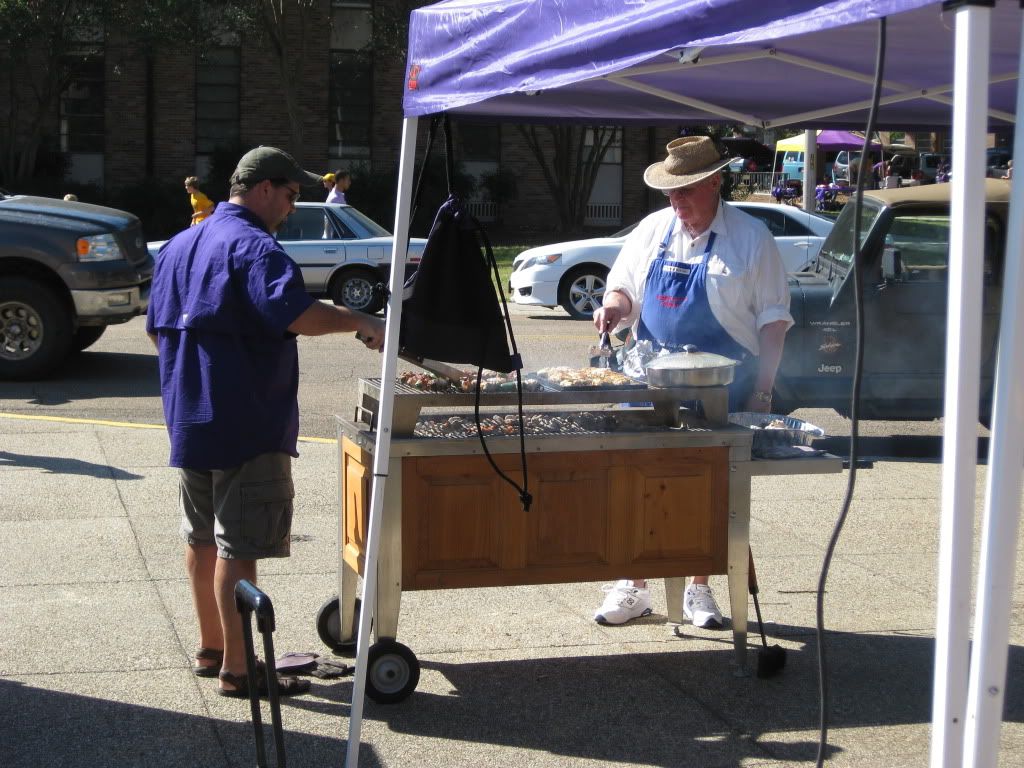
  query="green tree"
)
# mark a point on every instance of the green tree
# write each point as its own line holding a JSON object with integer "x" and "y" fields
{"x": 570, "y": 164}
{"x": 37, "y": 38}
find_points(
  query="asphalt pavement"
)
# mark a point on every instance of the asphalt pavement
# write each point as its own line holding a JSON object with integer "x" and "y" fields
{"x": 98, "y": 633}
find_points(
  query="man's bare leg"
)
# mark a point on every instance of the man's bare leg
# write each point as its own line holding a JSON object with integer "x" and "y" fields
{"x": 200, "y": 563}
{"x": 227, "y": 573}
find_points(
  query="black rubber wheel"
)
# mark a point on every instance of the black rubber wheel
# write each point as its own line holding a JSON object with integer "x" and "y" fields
{"x": 35, "y": 329}
{"x": 86, "y": 336}
{"x": 328, "y": 627}
{"x": 392, "y": 672}
{"x": 353, "y": 288}
{"x": 582, "y": 289}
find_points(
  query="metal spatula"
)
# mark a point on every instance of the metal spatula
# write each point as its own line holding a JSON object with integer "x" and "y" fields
{"x": 601, "y": 355}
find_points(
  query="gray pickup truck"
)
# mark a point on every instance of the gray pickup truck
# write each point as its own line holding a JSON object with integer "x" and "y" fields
{"x": 905, "y": 233}
{"x": 67, "y": 271}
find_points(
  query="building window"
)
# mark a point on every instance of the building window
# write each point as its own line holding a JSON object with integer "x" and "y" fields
{"x": 480, "y": 146}
{"x": 81, "y": 105}
{"x": 218, "y": 77}
{"x": 351, "y": 82}
{"x": 605, "y": 205}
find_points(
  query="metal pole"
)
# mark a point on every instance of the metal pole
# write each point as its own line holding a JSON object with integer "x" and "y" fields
{"x": 382, "y": 447}
{"x": 963, "y": 363}
{"x": 1002, "y": 497}
{"x": 810, "y": 168}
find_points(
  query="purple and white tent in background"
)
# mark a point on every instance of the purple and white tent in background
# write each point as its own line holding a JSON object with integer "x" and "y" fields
{"x": 772, "y": 64}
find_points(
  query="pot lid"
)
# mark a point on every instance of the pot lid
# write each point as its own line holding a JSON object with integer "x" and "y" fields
{"x": 690, "y": 358}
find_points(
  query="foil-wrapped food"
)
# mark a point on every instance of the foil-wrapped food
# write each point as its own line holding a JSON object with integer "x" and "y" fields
{"x": 772, "y": 430}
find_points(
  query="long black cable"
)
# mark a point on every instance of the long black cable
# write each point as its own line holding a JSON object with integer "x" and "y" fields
{"x": 858, "y": 293}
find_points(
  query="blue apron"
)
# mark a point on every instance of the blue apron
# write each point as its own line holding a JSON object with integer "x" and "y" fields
{"x": 676, "y": 312}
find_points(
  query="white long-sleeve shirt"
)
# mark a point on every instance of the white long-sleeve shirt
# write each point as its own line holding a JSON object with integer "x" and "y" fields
{"x": 746, "y": 282}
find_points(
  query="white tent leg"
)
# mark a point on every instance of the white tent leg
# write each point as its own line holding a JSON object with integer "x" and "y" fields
{"x": 963, "y": 362}
{"x": 382, "y": 447}
{"x": 1002, "y": 499}
{"x": 810, "y": 168}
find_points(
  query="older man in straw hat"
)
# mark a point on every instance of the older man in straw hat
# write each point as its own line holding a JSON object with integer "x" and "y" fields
{"x": 703, "y": 273}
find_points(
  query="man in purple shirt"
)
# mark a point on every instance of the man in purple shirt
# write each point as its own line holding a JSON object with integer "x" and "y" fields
{"x": 226, "y": 306}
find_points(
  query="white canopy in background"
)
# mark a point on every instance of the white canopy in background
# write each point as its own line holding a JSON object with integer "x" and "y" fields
{"x": 796, "y": 63}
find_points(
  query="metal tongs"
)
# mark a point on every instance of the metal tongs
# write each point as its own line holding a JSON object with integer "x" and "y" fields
{"x": 434, "y": 366}
{"x": 601, "y": 355}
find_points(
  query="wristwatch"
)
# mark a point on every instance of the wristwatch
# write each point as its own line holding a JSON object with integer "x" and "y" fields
{"x": 761, "y": 396}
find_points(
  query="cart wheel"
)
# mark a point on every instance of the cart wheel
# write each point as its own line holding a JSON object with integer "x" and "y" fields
{"x": 392, "y": 672}
{"x": 328, "y": 626}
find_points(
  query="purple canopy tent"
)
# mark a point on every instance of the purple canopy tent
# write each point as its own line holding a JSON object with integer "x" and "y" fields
{"x": 831, "y": 140}
{"x": 796, "y": 63}
{"x": 828, "y": 140}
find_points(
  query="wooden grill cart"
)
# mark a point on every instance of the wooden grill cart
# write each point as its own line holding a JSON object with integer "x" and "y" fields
{"x": 650, "y": 491}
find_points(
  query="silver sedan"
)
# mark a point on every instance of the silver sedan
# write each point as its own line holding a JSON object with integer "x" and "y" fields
{"x": 341, "y": 252}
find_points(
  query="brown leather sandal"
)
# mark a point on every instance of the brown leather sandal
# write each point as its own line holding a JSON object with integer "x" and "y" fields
{"x": 214, "y": 655}
{"x": 286, "y": 685}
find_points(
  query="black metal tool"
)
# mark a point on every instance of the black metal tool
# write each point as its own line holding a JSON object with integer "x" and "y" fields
{"x": 249, "y": 600}
{"x": 770, "y": 659}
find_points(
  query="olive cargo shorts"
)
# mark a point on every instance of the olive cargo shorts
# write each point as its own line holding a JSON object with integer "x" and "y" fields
{"x": 245, "y": 510}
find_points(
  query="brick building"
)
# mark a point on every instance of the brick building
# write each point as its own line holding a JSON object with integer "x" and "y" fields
{"x": 131, "y": 113}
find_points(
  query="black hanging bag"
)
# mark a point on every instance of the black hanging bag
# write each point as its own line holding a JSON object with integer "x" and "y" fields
{"x": 449, "y": 309}
{"x": 451, "y": 312}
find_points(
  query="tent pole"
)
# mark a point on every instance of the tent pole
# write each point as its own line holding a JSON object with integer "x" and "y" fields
{"x": 810, "y": 168}
{"x": 382, "y": 446}
{"x": 963, "y": 362}
{"x": 1002, "y": 498}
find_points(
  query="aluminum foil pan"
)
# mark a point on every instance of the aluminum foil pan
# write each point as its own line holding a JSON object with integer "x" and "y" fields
{"x": 772, "y": 430}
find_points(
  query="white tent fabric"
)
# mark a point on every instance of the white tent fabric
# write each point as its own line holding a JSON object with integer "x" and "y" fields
{"x": 969, "y": 50}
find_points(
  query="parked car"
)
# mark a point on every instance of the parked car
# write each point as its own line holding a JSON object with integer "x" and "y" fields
{"x": 905, "y": 264}
{"x": 572, "y": 275}
{"x": 906, "y": 162}
{"x": 996, "y": 161}
{"x": 67, "y": 271}
{"x": 341, "y": 252}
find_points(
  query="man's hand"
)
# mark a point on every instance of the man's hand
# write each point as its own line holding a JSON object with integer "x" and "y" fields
{"x": 616, "y": 305}
{"x": 371, "y": 332}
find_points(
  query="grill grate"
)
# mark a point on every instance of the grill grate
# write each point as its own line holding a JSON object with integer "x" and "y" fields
{"x": 507, "y": 425}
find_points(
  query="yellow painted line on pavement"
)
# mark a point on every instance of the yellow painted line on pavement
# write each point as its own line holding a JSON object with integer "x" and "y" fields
{"x": 549, "y": 336}
{"x": 129, "y": 424}
{"x": 70, "y": 420}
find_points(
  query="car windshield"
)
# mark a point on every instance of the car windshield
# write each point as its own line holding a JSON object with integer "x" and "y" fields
{"x": 838, "y": 246}
{"x": 626, "y": 231}
{"x": 365, "y": 222}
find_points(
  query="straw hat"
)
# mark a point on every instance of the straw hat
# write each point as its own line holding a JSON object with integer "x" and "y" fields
{"x": 690, "y": 159}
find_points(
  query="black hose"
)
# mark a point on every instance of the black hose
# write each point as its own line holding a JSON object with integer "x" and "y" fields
{"x": 858, "y": 292}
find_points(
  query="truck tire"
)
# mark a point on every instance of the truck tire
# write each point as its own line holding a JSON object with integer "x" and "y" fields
{"x": 353, "y": 288}
{"x": 86, "y": 336}
{"x": 35, "y": 329}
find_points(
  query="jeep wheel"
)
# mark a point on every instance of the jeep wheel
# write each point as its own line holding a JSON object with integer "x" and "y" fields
{"x": 35, "y": 329}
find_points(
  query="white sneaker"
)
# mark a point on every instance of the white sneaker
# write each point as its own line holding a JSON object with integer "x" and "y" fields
{"x": 623, "y": 603}
{"x": 699, "y": 606}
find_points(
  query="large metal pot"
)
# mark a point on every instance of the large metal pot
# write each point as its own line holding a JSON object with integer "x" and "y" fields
{"x": 690, "y": 368}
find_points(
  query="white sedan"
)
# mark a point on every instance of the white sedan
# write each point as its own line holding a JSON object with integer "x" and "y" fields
{"x": 341, "y": 252}
{"x": 572, "y": 275}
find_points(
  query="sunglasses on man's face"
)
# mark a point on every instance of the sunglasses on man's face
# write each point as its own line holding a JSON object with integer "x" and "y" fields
{"x": 293, "y": 193}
